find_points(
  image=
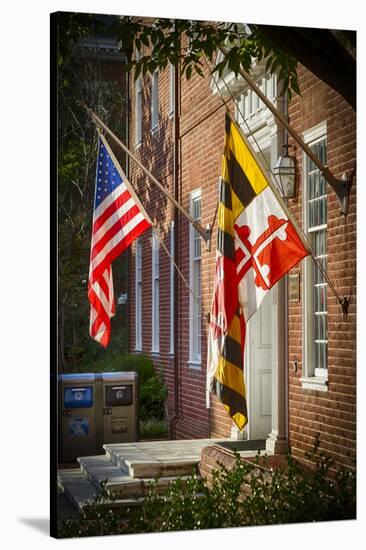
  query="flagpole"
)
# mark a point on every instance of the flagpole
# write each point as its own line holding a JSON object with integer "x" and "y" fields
{"x": 141, "y": 207}
{"x": 344, "y": 302}
{"x": 124, "y": 177}
{"x": 341, "y": 186}
{"x": 273, "y": 187}
{"x": 205, "y": 233}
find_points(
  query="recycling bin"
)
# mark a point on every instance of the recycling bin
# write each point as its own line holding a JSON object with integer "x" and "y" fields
{"x": 77, "y": 398}
{"x": 120, "y": 406}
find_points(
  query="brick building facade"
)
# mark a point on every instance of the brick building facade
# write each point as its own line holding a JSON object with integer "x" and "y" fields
{"x": 300, "y": 355}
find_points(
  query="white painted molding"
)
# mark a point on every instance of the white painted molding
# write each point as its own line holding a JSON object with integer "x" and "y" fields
{"x": 316, "y": 132}
{"x": 314, "y": 383}
{"x": 195, "y": 365}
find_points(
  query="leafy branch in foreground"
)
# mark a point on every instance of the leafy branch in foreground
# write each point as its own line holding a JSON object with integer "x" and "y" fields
{"x": 159, "y": 42}
{"x": 248, "y": 494}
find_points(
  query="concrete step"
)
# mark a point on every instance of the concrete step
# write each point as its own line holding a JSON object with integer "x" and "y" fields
{"x": 162, "y": 468}
{"x": 151, "y": 460}
{"x": 81, "y": 492}
{"x": 130, "y": 469}
{"x": 98, "y": 469}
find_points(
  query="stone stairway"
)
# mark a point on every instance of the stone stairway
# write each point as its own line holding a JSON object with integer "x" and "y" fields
{"x": 129, "y": 469}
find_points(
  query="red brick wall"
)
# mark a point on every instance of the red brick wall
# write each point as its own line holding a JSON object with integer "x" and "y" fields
{"x": 200, "y": 165}
{"x": 156, "y": 153}
{"x": 202, "y": 139}
{"x": 332, "y": 413}
{"x": 202, "y": 135}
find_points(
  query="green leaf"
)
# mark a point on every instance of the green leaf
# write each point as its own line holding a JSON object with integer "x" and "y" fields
{"x": 188, "y": 72}
{"x": 144, "y": 39}
{"x": 268, "y": 63}
{"x": 274, "y": 65}
{"x": 137, "y": 71}
{"x": 199, "y": 70}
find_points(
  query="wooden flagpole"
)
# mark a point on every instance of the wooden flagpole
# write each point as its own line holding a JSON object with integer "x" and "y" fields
{"x": 341, "y": 187}
{"x": 205, "y": 233}
{"x": 141, "y": 207}
{"x": 344, "y": 303}
{"x": 273, "y": 188}
{"x": 124, "y": 177}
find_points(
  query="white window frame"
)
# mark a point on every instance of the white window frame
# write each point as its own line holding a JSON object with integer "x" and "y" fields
{"x": 255, "y": 102}
{"x": 138, "y": 295}
{"x": 240, "y": 110}
{"x": 155, "y": 290}
{"x": 138, "y": 111}
{"x": 262, "y": 86}
{"x": 246, "y": 104}
{"x": 313, "y": 378}
{"x": 171, "y": 88}
{"x": 154, "y": 100}
{"x": 195, "y": 275}
{"x": 172, "y": 297}
{"x": 251, "y": 109}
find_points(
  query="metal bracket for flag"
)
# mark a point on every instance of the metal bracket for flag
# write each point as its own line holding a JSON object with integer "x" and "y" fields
{"x": 209, "y": 235}
{"x": 341, "y": 187}
{"x": 205, "y": 232}
{"x": 344, "y": 303}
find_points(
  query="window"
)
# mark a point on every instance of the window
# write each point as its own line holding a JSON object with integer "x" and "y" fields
{"x": 155, "y": 294}
{"x": 240, "y": 110}
{"x": 262, "y": 86}
{"x": 251, "y": 100}
{"x": 315, "y": 286}
{"x": 138, "y": 110}
{"x": 255, "y": 101}
{"x": 154, "y": 100}
{"x": 138, "y": 314}
{"x": 270, "y": 86}
{"x": 171, "y": 88}
{"x": 195, "y": 283}
{"x": 172, "y": 275}
{"x": 247, "y": 106}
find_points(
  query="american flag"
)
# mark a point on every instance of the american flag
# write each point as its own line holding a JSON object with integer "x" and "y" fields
{"x": 118, "y": 219}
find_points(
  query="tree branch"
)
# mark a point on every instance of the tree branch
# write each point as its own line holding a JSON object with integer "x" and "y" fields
{"x": 320, "y": 52}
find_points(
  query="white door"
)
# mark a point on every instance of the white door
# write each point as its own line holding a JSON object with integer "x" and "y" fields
{"x": 259, "y": 370}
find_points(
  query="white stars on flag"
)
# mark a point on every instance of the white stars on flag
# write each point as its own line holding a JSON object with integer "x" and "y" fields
{"x": 117, "y": 221}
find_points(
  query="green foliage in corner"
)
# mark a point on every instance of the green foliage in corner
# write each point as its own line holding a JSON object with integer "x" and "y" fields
{"x": 248, "y": 495}
{"x": 245, "y": 495}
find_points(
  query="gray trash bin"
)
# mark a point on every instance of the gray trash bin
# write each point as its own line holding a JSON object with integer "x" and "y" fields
{"x": 120, "y": 406}
{"x": 96, "y": 409}
{"x": 77, "y": 394}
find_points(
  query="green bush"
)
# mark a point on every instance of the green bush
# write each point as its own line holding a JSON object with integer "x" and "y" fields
{"x": 96, "y": 519}
{"x": 153, "y": 394}
{"x": 245, "y": 495}
{"x": 153, "y": 428}
{"x": 122, "y": 362}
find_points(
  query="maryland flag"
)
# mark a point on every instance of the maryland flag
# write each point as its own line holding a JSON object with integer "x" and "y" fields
{"x": 256, "y": 246}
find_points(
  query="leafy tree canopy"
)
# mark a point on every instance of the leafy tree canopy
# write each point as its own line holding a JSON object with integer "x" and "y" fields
{"x": 330, "y": 55}
{"x": 82, "y": 78}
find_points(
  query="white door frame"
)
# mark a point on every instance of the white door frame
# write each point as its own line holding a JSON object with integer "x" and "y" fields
{"x": 268, "y": 134}
{"x": 271, "y": 135}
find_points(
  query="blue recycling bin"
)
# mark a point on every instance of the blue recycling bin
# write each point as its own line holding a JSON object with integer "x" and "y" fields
{"x": 78, "y": 404}
{"x": 95, "y": 409}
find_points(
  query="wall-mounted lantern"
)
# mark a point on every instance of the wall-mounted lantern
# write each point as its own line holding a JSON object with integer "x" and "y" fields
{"x": 285, "y": 171}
